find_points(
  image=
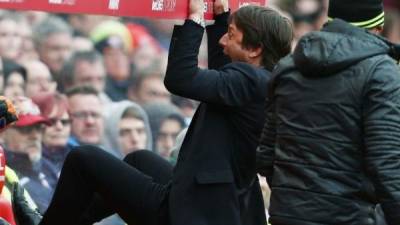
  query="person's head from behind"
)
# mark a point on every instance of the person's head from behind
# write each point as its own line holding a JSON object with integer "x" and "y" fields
{"x": 25, "y": 136}
{"x": 54, "y": 107}
{"x": 367, "y": 14}
{"x": 132, "y": 131}
{"x": 84, "y": 68}
{"x": 85, "y": 110}
{"x": 257, "y": 35}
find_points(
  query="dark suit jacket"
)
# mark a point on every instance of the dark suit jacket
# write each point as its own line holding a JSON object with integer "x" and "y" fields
{"x": 215, "y": 181}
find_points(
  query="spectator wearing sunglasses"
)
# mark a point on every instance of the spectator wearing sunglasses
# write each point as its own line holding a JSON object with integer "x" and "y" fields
{"x": 55, "y": 136}
{"x": 23, "y": 151}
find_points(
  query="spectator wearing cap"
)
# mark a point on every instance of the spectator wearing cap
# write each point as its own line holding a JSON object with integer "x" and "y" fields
{"x": 23, "y": 151}
{"x": 8, "y": 116}
{"x": 112, "y": 39}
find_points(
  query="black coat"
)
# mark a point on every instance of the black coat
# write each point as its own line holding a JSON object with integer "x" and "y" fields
{"x": 331, "y": 145}
{"x": 215, "y": 181}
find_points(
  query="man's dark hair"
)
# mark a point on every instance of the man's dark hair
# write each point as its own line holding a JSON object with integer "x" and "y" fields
{"x": 68, "y": 72}
{"x": 265, "y": 28}
{"x": 82, "y": 90}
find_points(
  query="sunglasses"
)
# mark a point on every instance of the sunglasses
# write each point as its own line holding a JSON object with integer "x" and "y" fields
{"x": 64, "y": 122}
{"x": 30, "y": 129}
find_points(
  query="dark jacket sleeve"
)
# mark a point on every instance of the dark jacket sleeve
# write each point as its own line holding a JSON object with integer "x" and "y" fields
{"x": 265, "y": 151}
{"x": 216, "y": 56}
{"x": 234, "y": 84}
{"x": 381, "y": 111}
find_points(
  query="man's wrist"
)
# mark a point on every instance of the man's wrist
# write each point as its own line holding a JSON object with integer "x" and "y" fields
{"x": 199, "y": 19}
{"x": 222, "y": 18}
{"x": 220, "y": 11}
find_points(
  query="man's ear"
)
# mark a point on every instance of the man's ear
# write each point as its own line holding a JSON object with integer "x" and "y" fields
{"x": 255, "y": 52}
{"x": 377, "y": 30}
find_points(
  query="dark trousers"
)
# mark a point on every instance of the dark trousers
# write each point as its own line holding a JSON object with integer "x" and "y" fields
{"x": 94, "y": 184}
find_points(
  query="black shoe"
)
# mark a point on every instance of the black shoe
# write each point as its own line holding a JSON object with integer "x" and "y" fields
{"x": 23, "y": 213}
{"x": 3, "y": 222}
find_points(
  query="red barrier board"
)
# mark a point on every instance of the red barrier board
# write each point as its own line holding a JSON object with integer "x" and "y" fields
{"x": 169, "y": 9}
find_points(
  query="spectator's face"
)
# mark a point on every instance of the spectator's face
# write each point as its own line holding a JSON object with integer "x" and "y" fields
{"x": 169, "y": 129}
{"x": 10, "y": 39}
{"x": 56, "y": 135}
{"x": 87, "y": 122}
{"x": 231, "y": 42}
{"x": 15, "y": 85}
{"x": 145, "y": 56}
{"x": 28, "y": 50}
{"x": 92, "y": 74}
{"x": 39, "y": 80}
{"x": 25, "y": 139}
{"x": 55, "y": 50}
{"x": 132, "y": 135}
{"x": 117, "y": 63}
{"x": 152, "y": 89}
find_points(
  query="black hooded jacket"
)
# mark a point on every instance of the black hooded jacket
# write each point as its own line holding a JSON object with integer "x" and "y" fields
{"x": 330, "y": 148}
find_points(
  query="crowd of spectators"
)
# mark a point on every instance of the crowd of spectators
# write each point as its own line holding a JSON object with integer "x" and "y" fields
{"x": 87, "y": 79}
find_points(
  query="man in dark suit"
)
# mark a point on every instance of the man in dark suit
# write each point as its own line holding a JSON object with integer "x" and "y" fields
{"x": 214, "y": 181}
{"x": 216, "y": 164}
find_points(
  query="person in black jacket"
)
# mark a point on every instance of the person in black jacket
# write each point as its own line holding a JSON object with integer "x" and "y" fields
{"x": 330, "y": 144}
{"x": 214, "y": 181}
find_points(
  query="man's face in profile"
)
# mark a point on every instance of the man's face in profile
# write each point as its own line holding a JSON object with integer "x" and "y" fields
{"x": 231, "y": 42}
